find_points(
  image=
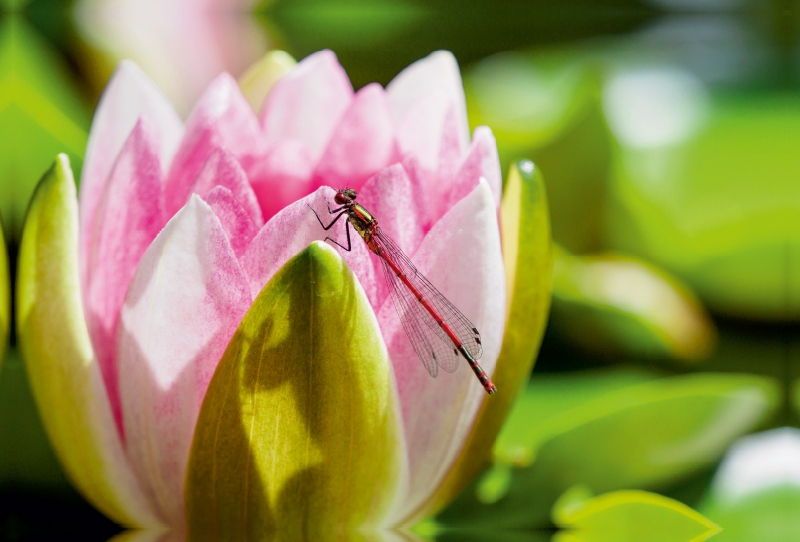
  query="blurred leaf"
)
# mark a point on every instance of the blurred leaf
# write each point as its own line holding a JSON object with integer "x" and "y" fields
{"x": 628, "y": 516}
{"x": 528, "y": 260}
{"x": 755, "y": 493}
{"x": 547, "y": 108}
{"x": 617, "y": 305}
{"x": 612, "y": 430}
{"x": 299, "y": 432}
{"x": 716, "y": 203}
{"x": 766, "y": 516}
{"x": 27, "y": 461}
{"x": 376, "y": 39}
{"x": 41, "y": 114}
{"x": 491, "y": 535}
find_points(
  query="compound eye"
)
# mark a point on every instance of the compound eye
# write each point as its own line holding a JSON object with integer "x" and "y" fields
{"x": 339, "y": 198}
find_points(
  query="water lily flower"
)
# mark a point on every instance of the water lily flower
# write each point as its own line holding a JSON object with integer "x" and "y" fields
{"x": 202, "y": 360}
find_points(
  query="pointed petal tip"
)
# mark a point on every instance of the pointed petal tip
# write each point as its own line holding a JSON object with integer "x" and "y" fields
{"x": 525, "y": 167}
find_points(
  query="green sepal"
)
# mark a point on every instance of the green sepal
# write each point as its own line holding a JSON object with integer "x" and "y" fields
{"x": 628, "y": 516}
{"x": 5, "y": 297}
{"x": 528, "y": 260}
{"x": 299, "y": 433}
{"x": 612, "y": 305}
{"x": 62, "y": 370}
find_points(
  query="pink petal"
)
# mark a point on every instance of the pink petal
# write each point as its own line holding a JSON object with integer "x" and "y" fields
{"x": 460, "y": 256}
{"x": 362, "y": 143}
{"x": 421, "y": 96}
{"x": 292, "y": 230}
{"x": 235, "y": 220}
{"x": 222, "y": 169}
{"x": 307, "y": 103}
{"x": 183, "y": 306}
{"x": 392, "y": 198}
{"x": 282, "y": 176}
{"x": 222, "y": 119}
{"x": 481, "y": 161}
{"x": 128, "y": 96}
{"x": 129, "y": 215}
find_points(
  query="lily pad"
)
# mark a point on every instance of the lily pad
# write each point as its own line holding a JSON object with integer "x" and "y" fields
{"x": 612, "y": 430}
{"x": 611, "y": 304}
{"x": 716, "y": 203}
{"x": 546, "y": 108}
{"x": 628, "y": 516}
{"x": 755, "y": 493}
{"x": 768, "y": 516}
{"x": 299, "y": 432}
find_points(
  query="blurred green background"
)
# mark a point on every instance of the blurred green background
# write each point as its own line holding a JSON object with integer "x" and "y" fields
{"x": 668, "y": 133}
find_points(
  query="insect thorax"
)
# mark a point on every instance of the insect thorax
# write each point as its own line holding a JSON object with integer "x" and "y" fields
{"x": 361, "y": 220}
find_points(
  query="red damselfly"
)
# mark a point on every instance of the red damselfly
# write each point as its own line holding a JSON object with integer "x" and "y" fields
{"x": 437, "y": 330}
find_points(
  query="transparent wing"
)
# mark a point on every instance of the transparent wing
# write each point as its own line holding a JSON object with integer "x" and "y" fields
{"x": 432, "y": 344}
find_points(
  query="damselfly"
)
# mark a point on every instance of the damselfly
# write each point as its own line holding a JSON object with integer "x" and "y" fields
{"x": 437, "y": 330}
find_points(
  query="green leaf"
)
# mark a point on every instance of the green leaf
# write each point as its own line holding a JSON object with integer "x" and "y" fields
{"x": 547, "y": 108}
{"x": 299, "y": 432}
{"x": 617, "y": 305}
{"x": 612, "y": 430}
{"x": 62, "y": 370}
{"x": 26, "y": 458}
{"x": 629, "y": 516}
{"x": 769, "y": 515}
{"x": 718, "y": 207}
{"x": 41, "y": 114}
{"x": 259, "y": 78}
{"x": 528, "y": 259}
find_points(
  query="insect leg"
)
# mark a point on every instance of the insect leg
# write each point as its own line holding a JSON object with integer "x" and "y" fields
{"x": 329, "y": 226}
{"x": 347, "y": 229}
{"x": 334, "y": 211}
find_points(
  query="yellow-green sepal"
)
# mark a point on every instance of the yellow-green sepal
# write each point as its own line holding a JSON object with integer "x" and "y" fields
{"x": 619, "y": 305}
{"x": 59, "y": 359}
{"x": 627, "y": 516}
{"x": 259, "y": 78}
{"x": 5, "y": 298}
{"x": 528, "y": 259}
{"x": 299, "y": 433}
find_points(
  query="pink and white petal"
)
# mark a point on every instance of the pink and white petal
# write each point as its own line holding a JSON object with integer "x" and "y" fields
{"x": 282, "y": 176}
{"x": 460, "y": 256}
{"x": 128, "y": 96}
{"x": 419, "y": 132}
{"x": 183, "y": 306}
{"x": 308, "y": 102}
{"x": 129, "y": 216}
{"x": 393, "y": 198}
{"x": 222, "y": 169}
{"x": 437, "y": 73}
{"x": 481, "y": 161}
{"x": 222, "y": 119}
{"x": 235, "y": 220}
{"x": 362, "y": 143}
{"x": 292, "y": 230}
